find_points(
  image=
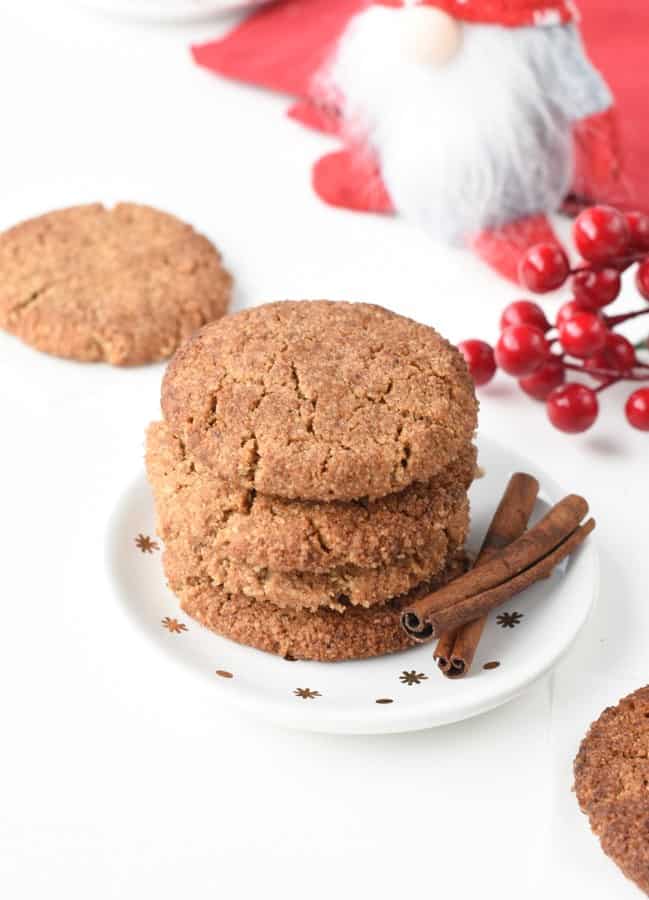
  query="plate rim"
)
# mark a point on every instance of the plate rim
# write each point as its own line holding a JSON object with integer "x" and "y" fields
{"x": 162, "y": 13}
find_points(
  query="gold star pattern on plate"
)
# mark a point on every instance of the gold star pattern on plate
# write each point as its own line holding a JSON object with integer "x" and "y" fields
{"x": 173, "y": 625}
{"x": 306, "y": 693}
{"x": 146, "y": 544}
{"x": 412, "y": 677}
{"x": 509, "y": 620}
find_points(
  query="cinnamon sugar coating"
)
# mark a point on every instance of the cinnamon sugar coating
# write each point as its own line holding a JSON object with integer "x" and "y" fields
{"x": 611, "y": 783}
{"x": 320, "y": 400}
{"x": 192, "y": 517}
{"x": 324, "y": 635}
{"x": 124, "y": 285}
{"x": 294, "y": 535}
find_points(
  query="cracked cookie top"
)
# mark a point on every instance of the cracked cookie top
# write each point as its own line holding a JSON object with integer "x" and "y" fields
{"x": 125, "y": 285}
{"x": 320, "y": 400}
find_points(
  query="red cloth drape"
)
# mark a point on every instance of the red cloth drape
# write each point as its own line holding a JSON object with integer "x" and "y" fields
{"x": 281, "y": 45}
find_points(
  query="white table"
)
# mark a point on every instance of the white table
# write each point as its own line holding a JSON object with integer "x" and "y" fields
{"x": 120, "y": 775}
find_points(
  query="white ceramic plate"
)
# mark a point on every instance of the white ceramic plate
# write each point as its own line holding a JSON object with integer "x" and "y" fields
{"x": 401, "y": 692}
{"x": 166, "y": 10}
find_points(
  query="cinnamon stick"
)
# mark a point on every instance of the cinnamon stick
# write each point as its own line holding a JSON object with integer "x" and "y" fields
{"x": 444, "y": 649}
{"x": 490, "y": 579}
{"x": 456, "y": 650}
{"x": 480, "y": 604}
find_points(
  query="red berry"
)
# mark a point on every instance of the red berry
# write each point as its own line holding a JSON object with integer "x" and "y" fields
{"x": 620, "y": 352}
{"x": 583, "y": 334}
{"x": 572, "y": 407}
{"x": 637, "y": 409}
{"x": 602, "y": 234}
{"x": 479, "y": 358}
{"x": 639, "y": 230}
{"x": 569, "y": 310}
{"x": 596, "y": 288}
{"x": 541, "y": 383}
{"x": 524, "y": 312}
{"x": 617, "y": 354}
{"x": 521, "y": 349}
{"x": 544, "y": 268}
{"x": 642, "y": 278}
{"x": 597, "y": 361}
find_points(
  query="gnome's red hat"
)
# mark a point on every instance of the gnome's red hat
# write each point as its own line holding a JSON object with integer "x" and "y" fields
{"x": 512, "y": 13}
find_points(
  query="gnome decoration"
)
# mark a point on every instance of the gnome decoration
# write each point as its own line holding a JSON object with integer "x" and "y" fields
{"x": 473, "y": 118}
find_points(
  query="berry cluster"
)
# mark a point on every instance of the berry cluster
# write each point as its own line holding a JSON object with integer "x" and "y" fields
{"x": 583, "y": 339}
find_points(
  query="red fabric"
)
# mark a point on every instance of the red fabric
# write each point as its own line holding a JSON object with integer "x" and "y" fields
{"x": 598, "y": 164}
{"x": 503, "y": 248}
{"x": 617, "y": 36}
{"x": 512, "y": 13}
{"x": 311, "y": 115}
{"x": 351, "y": 180}
{"x": 281, "y": 45}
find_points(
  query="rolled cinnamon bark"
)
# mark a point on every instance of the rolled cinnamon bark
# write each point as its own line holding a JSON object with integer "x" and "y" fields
{"x": 480, "y": 604}
{"x": 505, "y": 566}
{"x": 456, "y": 649}
{"x": 443, "y": 651}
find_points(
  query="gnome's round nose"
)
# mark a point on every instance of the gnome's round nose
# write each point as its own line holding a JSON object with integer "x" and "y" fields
{"x": 429, "y": 36}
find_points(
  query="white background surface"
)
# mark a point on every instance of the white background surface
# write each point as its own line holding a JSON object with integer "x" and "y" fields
{"x": 121, "y": 776}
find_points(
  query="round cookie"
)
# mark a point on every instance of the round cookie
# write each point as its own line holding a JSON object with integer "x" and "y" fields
{"x": 187, "y": 558}
{"x": 611, "y": 778}
{"x": 289, "y": 535}
{"x": 319, "y": 400}
{"x": 125, "y": 285}
{"x": 314, "y": 536}
{"x": 324, "y": 635}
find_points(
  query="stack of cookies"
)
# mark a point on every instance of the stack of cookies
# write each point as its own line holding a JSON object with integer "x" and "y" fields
{"x": 311, "y": 474}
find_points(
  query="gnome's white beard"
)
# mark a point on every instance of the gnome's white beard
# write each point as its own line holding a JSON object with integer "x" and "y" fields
{"x": 479, "y": 142}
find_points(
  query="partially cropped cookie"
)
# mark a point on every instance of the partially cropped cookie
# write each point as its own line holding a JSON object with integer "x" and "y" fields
{"x": 289, "y": 535}
{"x": 124, "y": 285}
{"x": 611, "y": 783}
{"x": 320, "y": 400}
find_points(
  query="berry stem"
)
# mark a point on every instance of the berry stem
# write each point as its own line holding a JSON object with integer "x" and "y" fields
{"x": 606, "y": 384}
{"x": 612, "y": 321}
{"x": 606, "y": 373}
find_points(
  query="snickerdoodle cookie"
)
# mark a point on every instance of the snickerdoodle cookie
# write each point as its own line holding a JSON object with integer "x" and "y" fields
{"x": 187, "y": 557}
{"x": 320, "y": 400}
{"x": 324, "y": 634}
{"x": 292, "y": 535}
{"x": 124, "y": 285}
{"x": 611, "y": 779}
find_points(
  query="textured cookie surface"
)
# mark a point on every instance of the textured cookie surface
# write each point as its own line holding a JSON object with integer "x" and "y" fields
{"x": 123, "y": 285}
{"x": 320, "y": 400}
{"x": 288, "y": 535}
{"x": 612, "y": 783}
{"x": 186, "y": 559}
{"x": 324, "y": 635}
